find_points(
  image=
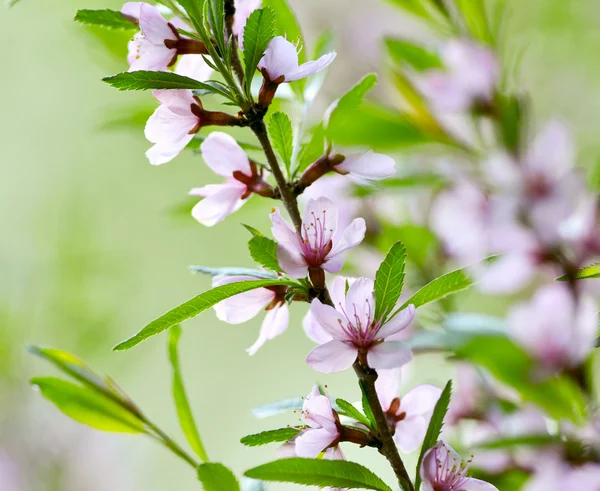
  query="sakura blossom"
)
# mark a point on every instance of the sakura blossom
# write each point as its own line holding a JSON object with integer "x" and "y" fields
{"x": 242, "y": 307}
{"x": 409, "y": 415}
{"x": 354, "y": 329}
{"x": 318, "y": 244}
{"x": 370, "y": 165}
{"x": 553, "y": 474}
{"x": 280, "y": 62}
{"x": 443, "y": 470}
{"x": 226, "y": 158}
{"x": 322, "y": 433}
{"x": 470, "y": 78}
{"x": 556, "y": 328}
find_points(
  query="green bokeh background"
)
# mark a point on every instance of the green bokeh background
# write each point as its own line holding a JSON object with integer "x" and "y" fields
{"x": 92, "y": 248}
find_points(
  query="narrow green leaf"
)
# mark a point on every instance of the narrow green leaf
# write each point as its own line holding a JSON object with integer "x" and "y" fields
{"x": 345, "y": 107}
{"x": 105, "y": 18}
{"x": 255, "y": 232}
{"x": 350, "y": 411}
{"x": 264, "y": 251}
{"x": 532, "y": 440}
{"x": 217, "y": 477}
{"x": 439, "y": 288}
{"x": 404, "y": 52}
{"x": 313, "y": 149}
{"x": 195, "y": 306}
{"x": 256, "y": 273}
{"x": 280, "y": 131}
{"x": 184, "y": 412}
{"x": 88, "y": 407}
{"x": 278, "y": 407}
{"x": 214, "y": 87}
{"x": 513, "y": 120}
{"x": 475, "y": 17}
{"x": 259, "y": 30}
{"x": 145, "y": 80}
{"x": 588, "y": 272}
{"x": 271, "y": 436}
{"x": 315, "y": 472}
{"x": 216, "y": 21}
{"x": 415, "y": 7}
{"x": 366, "y": 406}
{"x": 434, "y": 429}
{"x": 389, "y": 280}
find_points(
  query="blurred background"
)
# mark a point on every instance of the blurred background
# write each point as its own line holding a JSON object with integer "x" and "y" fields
{"x": 95, "y": 244}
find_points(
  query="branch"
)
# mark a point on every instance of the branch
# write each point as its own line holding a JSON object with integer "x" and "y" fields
{"x": 235, "y": 57}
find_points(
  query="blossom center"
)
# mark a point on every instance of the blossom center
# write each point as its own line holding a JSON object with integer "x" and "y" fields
{"x": 314, "y": 239}
{"x": 451, "y": 473}
{"x": 359, "y": 325}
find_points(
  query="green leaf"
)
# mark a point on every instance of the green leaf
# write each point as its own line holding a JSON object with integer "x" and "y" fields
{"x": 271, "y": 436}
{"x": 403, "y": 52}
{"x": 264, "y": 251}
{"x": 439, "y": 288}
{"x": 315, "y": 472}
{"x": 217, "y": 477}
{"x": 214, "y": 87}
{"x": 286, "y": 23}
{"x": 145, "y": 80}
{"x": 533, "y": 440}
{"x": 259, "y": 30}
{"x": 278, "y": 407}
{"x": 389, "y": 280}
{"x": 195, "y": 306}
{"x": 216, "y": 21}
{"x": 280, "y": 131}
{"x": 378, "y": 128}
{"x": 313, "y": 149}
{"x": 415, "y": 7}
{"x": 513, "y": 116}
{"x": 588, "y": 272}
{"x": 88, "y": 407}
{"x": 510, "y": 364}
{"x": 475, "y": 17}
{"x": 105, "y": 18}
{"x": 184, "y": 412}
{"x": 350, "y": 411}
{"x": 366, "y": 406}
{"x": 345, "y": 107}
{"x": 256, "y": 273}
{"x": 434, "y": 429}
{"x": 255, "y": 232}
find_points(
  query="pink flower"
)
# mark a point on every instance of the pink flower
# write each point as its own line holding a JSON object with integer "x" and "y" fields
{"x": 554, "y": 474}
{"x": 555, "y": 328}
{"x": 243, "y": 9}
{"x": 353, "y": 329}
{"x": 226, "y": 158}
{"x": 407, "y": 416}
{"x": 370, "y": 165}
{"x": 322, "y": 433}
{"x": 244, "y": 306}
{"x": 471, "y": 77}
{"x": 317, "y": 245}
{"x": 173, "y": 125}
{"x": 443, "y": 470}
{"x": 148, "y": 50}
{"x": 281, "y": 61}
{"x": 467, "y": 394}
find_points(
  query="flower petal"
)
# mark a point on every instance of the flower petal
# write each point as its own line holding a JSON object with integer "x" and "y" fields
{"x": 420, "y": 400}
{"x": 193, "y": 66}
{"x": 280, "y": 57}
{"x": 334, "y": 356}
{"x": 244, "y": 306}
{"x": 390, "y": 354}
{"x": 352, "y": 236}
{"x": 179, "y": 101}
{"x": 219, "y": 204}
{"x": 275, "y": 323}
{"x": 282, "y": 231}
{"x": 370, "y": 165}
{"x": 145, "y": 56}
{"x": 333, "y": 265}
{"x": 291, "y": 261}
{"x": 310, "y": 67}
{"x": 164, "y": 126}
{"x": 388, "y": 387}
{"x": 397, "y": 323}
{"x": 329, "y": 318}
{"x": 410, "y": 433}
{"x": 154, "y": 26}
{"x": 478, "y": 485}
{"x": 223, "y": 155}
{"x": 314, "y": 330}
{"x": 313, "y": 441}
{"x": 132, "y": 9}
{"x": 161, "y": 153}
{"x": 507, "y": 273}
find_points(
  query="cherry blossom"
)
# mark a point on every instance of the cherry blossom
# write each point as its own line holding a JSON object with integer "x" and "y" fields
{"x": 353, "y": 328}
{"x": 555, "y": 328}
{"x": 318, "y": 244}
{"x": 471, "y": 75}
{"x": 280, "y": 62}
{"x": 226, "y": 158}
{"x": 553, "y": 474}
{"x": 443, "y": 470}
{"x": 409, "y": 415}
{"x": 242, "y": 307}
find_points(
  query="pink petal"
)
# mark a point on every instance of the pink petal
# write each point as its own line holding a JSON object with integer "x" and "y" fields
{"x": 329, "y": 319}
{"x": 282, "y": 231}
{"x": 421, "y": 400}
{"x": 314, "y": 441}
{"x": 151, "y": 58}
{"x": 244, "y": 306}
{"x": 334, "y": 356}
{"x": 223, "y": 155}
{"x": 360, "y": 300}
{"x": 352, "y": 236}
{"x": 552, "y": 153}
{"x": 314, "y": 330}
{"x": 371, "y": 165}
{"x": 291, "y": 261}
{"x": 275, "y": 323}
{"x": 243, "y": 9}
{"x": 132, "y": 9}
{"x": 322, "y": 208}
{"x": 280, "y": 57}
{"x": 443, "y": 91}
{"x": 388, "y": 387}
{"x": 507, "y": 273}
{"x": 178, "y": 101}
{"x": 397, "y": 323}
{"x": 390, "y": 354}
{"x": 154, "y": 26}
{"x": 220, "y": 204}
{"x": 193, "y": 66}
{"x": 410, "y": 433}
{"x": 337, "y": 290}
{"x": 479, "y": 485}
{"x": 164, "y": 126}
{"x": 310, "y": 67}
{"x": 161, "y": 153}
{"x": 333, "y": 265}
